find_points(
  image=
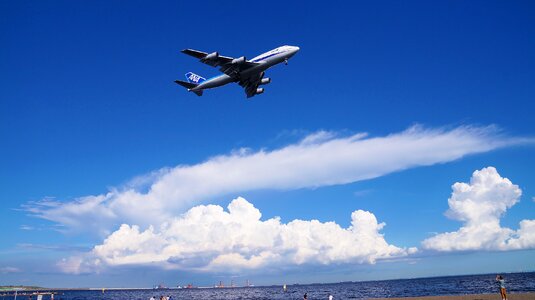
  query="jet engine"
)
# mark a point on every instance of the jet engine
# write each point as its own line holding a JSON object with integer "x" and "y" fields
{"x": 239, "y": 60}
{"x": 212, "y": 56}
{"x": 259, "y": 91}
{"x": 265, "y": 80}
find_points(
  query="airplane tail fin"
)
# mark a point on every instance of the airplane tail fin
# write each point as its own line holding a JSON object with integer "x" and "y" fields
{"x": 194, "y": 78}
{"x": 189, "y": 86}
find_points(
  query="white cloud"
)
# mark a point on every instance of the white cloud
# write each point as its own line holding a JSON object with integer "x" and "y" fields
{"x": 320, "y": 159}
{"x": 80, "y": 264}
{"x": 207, "y": 238}
{"x": 322, "y": 136}
{"x": 8, "y": 270}
{"x": 480, "y": 205}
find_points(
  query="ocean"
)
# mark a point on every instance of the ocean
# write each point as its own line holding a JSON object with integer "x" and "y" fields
{"x": 435, "y": 286}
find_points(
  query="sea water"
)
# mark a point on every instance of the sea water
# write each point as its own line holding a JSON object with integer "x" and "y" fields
{"x": 435, "y": 286}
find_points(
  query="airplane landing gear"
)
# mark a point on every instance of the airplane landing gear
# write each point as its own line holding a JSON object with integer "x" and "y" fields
{"x": 286, "y": 61}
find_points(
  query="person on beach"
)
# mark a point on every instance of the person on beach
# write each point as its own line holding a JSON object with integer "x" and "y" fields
{"x": 305, "y": 296}
{"x": 331, "y": 297}
{"x": 500, "y": 279}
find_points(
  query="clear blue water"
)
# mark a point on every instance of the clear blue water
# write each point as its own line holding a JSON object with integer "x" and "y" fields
{"x": 451, "y": 285}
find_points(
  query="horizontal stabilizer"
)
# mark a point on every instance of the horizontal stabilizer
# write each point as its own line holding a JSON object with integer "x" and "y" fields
{"x": 185, "y": 84}
{"x": 189, "y": 86}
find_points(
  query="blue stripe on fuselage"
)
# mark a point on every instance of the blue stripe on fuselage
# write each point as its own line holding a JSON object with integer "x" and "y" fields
{"x": 262, "y": 58}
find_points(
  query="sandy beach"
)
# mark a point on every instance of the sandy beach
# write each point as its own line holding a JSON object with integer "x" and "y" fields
{"x": 523, "y": 296}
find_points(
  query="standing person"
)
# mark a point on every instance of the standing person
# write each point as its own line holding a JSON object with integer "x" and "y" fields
{"x": 500, "y": 279}
{"x": 331, "y": 297}
{"x": 305, "y": 296}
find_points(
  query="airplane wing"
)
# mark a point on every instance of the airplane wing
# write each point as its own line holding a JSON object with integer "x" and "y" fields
{"x": 228, "y": 65}
{"x": 251, "y": 83}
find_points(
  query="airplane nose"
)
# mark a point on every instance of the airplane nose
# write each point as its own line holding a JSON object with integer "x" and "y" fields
{"x": 296, "y": 48}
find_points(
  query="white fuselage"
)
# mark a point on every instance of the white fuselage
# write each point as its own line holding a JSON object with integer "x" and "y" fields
{"x": 264, "y": 61}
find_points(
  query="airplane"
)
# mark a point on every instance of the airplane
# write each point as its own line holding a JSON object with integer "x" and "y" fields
{"x": 247, "y": 73}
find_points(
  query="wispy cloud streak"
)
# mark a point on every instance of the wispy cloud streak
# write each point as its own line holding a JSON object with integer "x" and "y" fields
{"x": 320, "y": 159}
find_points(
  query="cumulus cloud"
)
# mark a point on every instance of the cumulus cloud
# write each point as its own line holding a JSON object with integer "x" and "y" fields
{"x": 480, "y": 205}
{"x": 320, "y": 159}
{"x": 208, "y": 238}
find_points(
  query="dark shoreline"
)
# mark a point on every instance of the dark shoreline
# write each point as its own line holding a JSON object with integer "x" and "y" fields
{"x": 519, "y": 296}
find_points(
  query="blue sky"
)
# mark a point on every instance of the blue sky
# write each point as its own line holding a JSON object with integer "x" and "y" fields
{"x": 88, "y": 103}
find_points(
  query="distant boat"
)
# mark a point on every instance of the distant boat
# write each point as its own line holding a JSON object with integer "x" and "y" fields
{"x": 160, "y": 287}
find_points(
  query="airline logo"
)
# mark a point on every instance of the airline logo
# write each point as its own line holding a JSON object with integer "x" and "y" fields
{"x": 194, "y": 78}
